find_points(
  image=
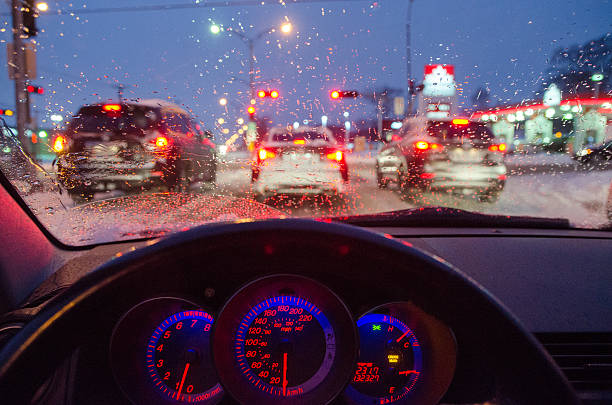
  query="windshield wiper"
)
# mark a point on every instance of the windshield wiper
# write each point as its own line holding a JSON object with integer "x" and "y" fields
{"x": 443, "y": 217}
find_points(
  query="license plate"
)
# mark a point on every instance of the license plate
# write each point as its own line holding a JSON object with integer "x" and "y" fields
{"x": 106, "y": 149}
{"x": 461, "y": 155}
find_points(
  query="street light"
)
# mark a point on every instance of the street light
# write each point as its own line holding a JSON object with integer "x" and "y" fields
{"x": 223, "y": 101}
{"x": 285, "y": 28}
{"x": 42, "y": 6}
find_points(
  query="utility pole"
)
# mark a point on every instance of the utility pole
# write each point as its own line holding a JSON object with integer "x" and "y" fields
{"x": 21, "y": 97}
{"x": 408, "y": 58}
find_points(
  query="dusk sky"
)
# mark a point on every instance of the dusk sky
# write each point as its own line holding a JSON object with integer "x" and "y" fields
{"x": 348, "y": 44}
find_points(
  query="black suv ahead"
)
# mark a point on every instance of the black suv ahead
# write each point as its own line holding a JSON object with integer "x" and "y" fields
{"x": 133, "y": 147}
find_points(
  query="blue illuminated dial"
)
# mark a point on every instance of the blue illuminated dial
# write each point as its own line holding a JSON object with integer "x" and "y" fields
{"x": 178, "y": 358}
{"x": 285, "y": 346}
{"x": 390, "y": 361}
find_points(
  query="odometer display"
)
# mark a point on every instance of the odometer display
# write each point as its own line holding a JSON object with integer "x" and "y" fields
{"x": 285, "y": 346}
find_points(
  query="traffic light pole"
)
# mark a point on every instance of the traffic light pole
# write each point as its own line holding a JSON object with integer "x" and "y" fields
{"x": 21, "y": 97}
{"x": 408, "y": 58}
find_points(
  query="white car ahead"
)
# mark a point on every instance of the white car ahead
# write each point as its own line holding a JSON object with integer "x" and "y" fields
{"x": 299, "y": 161}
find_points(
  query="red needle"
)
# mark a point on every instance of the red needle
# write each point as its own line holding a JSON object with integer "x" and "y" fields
{"x": 285, "y": 374}
{"x": 183, "y": 380}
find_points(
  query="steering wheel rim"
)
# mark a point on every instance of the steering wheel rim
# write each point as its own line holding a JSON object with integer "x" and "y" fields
{"x": 541, "y": 381}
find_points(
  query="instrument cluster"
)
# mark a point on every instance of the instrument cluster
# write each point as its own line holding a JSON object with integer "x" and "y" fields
{"x": 282, "y": 339}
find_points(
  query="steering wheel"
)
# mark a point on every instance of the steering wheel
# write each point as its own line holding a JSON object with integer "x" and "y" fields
{"x": 227, "y": 255}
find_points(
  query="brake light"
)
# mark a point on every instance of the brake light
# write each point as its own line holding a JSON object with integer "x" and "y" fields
{"x": 460, "y": 121}
{"x": 337, "y": 156}
{"x": 264, "y": 154}
{"x": 299, "y": 141}
{"x": 59, "y": 144}
{"x": 498, "y": 148}
{"x": 161, "y": 142}
{"x": 427, "y": 175}
{"x": 422, "y": 145}
{"x": 111, "y": 107}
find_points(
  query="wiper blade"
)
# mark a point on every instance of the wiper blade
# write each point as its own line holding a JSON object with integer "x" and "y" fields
{"x": 444, "y": 217}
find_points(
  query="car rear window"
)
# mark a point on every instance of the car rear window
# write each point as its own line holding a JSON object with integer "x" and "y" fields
{"x": 129, "y": 118}
{"x": 448, "y": 131}
{"x": 291, "y": 136}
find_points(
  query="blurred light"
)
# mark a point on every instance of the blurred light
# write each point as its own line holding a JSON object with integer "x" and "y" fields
{"x": 265, "y": 154}
{"x": 241, "y": 131}
{"x": 347, "y": 125}
{"x": 324, "y": 120}
{"x": 576, "y": 108}
{"x": 550, "y": 113}
{"x": 529, "y": 112}
{"x": 568, "y": 116}
{"x": 305, "y": 122}
{"x": 485, "y": 117}
{"x": 8, "y": 113}
{"x": 225, "y": 131}
{"x": 558, "y": 134}
{"x": 221, "y": 121}
{"x": 251, "y": 110}
{"x": 335, "y": 94}
{"x": 337, "y": 156}
{"x": 274, "y": 94}
{"x": 215, "y": 29}
{"x": 286, "y": 28}
{"x": 597, "y": 77}
{"x": 422, "y": 145}
{"x": 460, "y": 121}
{"x": 245, "y": 127}
{"x": 511, "y": 118}
{"x": 111, "y": 107}
{"x": 606, "y": 105}
{"x": 223, "y": 101}
{"x": 296, "y": 125}
{"x": 520, "y": 116}
{"x": 42, "y": 133}
{"x": 427, "y": 175}
{"x": 56, "y": 118}
{"x": 59, "y": 144}
{"x": 493, "y": 117}
{"x": 222, "y": 149}
{"x": 240, "y": 121}
{"x": 299, "y": 141}
{"x": 396, "y": 125}
{"x": 565, "y": 107}
{"x": 346, "y": 114}
{"x": 161, "y": 141}
{"x": 42, "y": 6}
{"x": 261, "y": 94}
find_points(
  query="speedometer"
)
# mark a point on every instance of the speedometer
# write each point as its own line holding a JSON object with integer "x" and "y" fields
{"x": 285, "y": 346}
{"x": 292, "y": 342}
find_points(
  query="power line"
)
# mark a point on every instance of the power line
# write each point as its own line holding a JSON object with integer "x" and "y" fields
{"x": 169, "y": 7}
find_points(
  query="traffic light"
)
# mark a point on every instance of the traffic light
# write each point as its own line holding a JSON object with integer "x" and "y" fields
{"x": 251, "y": 111}
{"x": 337, "y": 94}
{"x": 29, "y": 15}
{"x": 7, "y": 112}
{"x": 35, "y": 89}
{"x": 272, "y": 94}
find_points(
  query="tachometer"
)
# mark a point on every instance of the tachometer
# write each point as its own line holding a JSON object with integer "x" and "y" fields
{"x": 292, "y": 342}
{"x": 178, "y": 358}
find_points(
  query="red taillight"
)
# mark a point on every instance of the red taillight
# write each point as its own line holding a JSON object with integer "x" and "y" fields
{"x": 111, "y": 107}
{"x": 337, "y": 156}
{"x": 422, "y": 145}
{"x": 59, "y": 144}
{"x": 261, "y": 94}
{"x": 264, "y": 154}
{"x": 502, "y": 177}
{"x": 299, "y": 142}
{"x": 498, "y": 148}
{"x": 428, "y": 175}
{"x": 161, "y": 142}
{"x": 460, "y": 121}
{"x": 274, "y": 94}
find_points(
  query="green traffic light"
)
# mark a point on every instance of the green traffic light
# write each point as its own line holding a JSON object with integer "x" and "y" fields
{"x": 597, "y": 77}
{"x": 215, "y": 29}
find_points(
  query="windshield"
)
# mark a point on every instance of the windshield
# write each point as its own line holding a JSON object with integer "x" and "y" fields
{"x": 125, "y": 120}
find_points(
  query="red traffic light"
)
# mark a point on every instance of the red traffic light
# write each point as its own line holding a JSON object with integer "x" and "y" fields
{"x": 35, "y": 89}
{"x": 251, "y": 110}
{"x": 261, "y": 94}
{"x": 337, "y": 94}
{"x": 274, "y": 94}
{"x": 271, "y": 94}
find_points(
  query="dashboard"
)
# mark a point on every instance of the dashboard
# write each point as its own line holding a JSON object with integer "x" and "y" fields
{"x": 281, "y": 339}
{"x": 276, "y": 312}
